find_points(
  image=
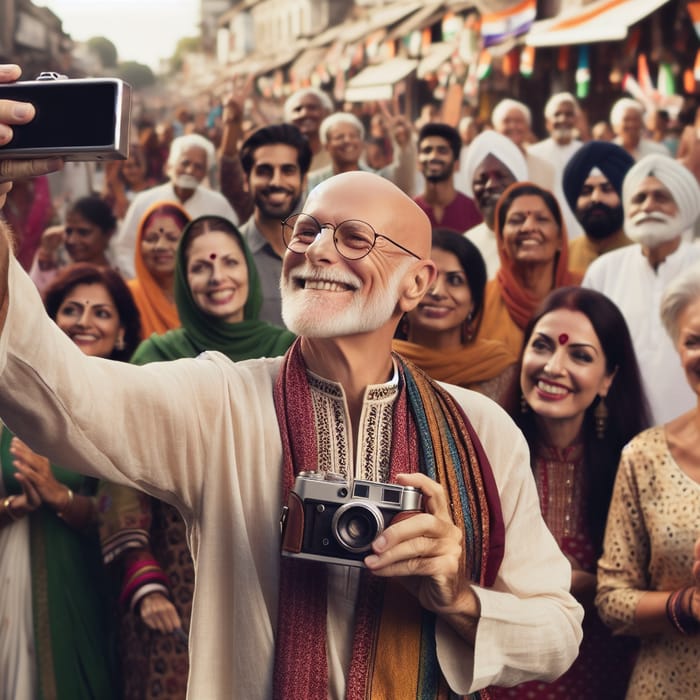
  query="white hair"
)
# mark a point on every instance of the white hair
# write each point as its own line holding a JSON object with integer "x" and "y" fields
{"x": 180, "y": 144}
{"x": 550, "y": 109}
{"x": 321, "y": 96}
{"x": 504, "y": 106}
{"x": 680, "y": 293}
{"x": 339, "y": 118}
{"x": 617, "y": 113}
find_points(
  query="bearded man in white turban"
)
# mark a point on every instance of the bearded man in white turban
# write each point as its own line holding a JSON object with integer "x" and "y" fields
{"x": 661, "y": 201}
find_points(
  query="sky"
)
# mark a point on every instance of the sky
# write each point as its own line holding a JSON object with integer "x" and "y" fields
{"x": 142, "y": 30}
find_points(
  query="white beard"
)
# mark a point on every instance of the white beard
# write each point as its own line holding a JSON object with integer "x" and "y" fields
{"x": 654, "y": 231}
{"x": 186, "y": 182}
{"x": 360, "y": 315}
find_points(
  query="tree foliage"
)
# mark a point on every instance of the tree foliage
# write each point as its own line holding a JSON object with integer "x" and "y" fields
{"x": 138, "y": 75}
{"x": 183, "y": 46}
{"x": 105, "y": 50}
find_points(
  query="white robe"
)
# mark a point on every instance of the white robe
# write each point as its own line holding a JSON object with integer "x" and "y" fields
{"x": 202, "y": 435}
{"x": 625, "y": 276}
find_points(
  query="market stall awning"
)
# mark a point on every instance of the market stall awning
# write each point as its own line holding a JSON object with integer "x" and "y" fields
{"x": 383, "y": 18}
{"x": 436, "y": 56}
{"x": 428, "y": 14}
{"x": 604, "y": 20}
{"x": 377, "y": 82}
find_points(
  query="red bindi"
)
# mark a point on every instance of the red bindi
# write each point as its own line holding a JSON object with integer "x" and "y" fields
{"x": 212, "y": 256}
{"x": 563, "y": 339}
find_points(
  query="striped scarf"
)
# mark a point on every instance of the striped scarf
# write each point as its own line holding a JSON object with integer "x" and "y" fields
{"x": 430, "y": 434}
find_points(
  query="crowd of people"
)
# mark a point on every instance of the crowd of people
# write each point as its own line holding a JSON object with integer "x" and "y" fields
{"x": 510, "y": 325}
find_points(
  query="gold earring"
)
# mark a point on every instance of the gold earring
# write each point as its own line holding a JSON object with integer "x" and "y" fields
{"x": 120, "y": 345}
{"x": 600, "y": 415}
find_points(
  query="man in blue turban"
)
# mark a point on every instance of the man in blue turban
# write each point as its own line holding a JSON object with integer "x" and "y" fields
{"x": 592, "y": 186}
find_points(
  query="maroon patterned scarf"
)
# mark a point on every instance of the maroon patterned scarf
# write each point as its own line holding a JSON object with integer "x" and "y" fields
{"x": 431, "y": 434}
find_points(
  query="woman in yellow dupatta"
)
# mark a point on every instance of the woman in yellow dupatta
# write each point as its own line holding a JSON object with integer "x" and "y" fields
{"x": 440, "y": 332}
{"x": 153, "y": 287}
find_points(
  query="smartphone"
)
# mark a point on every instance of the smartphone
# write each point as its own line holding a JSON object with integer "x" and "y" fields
{"x": 76, "y": 118}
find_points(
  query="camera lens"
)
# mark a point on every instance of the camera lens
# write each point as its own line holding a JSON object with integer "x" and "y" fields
{"x": 356, "y": 525}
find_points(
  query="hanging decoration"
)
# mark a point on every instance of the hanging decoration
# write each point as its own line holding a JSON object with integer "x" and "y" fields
{"x": 496, "y": 27}
{"x": 527, "y": 61}
{"x": 644, "y": 79}
{"x": 694, "y": 12}
{"x": 509, "y": 63}
{"x": 563, "y": 58}
{"x": 583, "y": 73}
{"x": 666, "y": 82}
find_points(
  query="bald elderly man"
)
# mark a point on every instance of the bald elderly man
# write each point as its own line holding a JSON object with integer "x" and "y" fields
{"x": 474, "y": 586}
{"x": 661, "y": 201}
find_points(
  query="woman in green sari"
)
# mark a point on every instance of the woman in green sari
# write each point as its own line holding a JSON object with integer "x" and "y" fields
{"x": 55, "y": 636}
{"x": 218, "y": 298}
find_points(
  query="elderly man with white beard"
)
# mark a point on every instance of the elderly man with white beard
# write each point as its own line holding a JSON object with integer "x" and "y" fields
{"x": 661, "y": 199}
{"x": 472, "y": 583}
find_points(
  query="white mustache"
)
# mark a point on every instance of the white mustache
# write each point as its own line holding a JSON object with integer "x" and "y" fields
{"x": 657, "y": 216}
{"x": 188, "y": 182}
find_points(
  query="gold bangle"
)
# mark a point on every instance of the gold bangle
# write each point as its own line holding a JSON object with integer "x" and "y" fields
{"x": 7, "y": 508}
{"x": 61, "y": 513}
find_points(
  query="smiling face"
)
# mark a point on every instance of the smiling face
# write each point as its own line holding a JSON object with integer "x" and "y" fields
{"x": 325, "y": 295}
{"x": 217, "y": 275}
{"x": 563, "y": 367}
{"x": 89, "y": 317}
{"x": 307, "y": 113}
{"x": 514, "y": 125}
{"x": 159, "y": 243}
{"x": 688, "y": 344}
{"x": 344, "y": 144}
{"x": 275, "y": 181}
{"x": 85, "y": 241}
{"x": 491, "y": 179}
{"x": 446, "y": 305}
{"x": 530, "y": 232}
{"x": 435, "y": 159}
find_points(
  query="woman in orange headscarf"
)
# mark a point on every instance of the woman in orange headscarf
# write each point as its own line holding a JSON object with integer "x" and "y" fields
{"x": 533, "y": 248}
{"x": 158, "y": 235}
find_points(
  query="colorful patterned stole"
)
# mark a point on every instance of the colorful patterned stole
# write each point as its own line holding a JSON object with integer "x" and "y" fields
{"x": 394, "y": 652}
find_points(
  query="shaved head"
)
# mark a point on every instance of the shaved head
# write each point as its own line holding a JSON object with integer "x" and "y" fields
{"x": 376, "y": 200}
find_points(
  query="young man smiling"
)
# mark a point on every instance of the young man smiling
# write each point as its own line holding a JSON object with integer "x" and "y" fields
{"x": 439, "y": 146}
{"x": 467, "y": 584}
{"x": 275, "y": 160}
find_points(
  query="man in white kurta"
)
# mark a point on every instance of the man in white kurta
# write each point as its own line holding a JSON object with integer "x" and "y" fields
{"x": 661, "y": 200}
{"x": 202, "y": 434}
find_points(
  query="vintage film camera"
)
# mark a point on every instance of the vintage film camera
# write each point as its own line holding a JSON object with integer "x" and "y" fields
{"x": 326, "y": 520}
{"x": 76, "y": 119}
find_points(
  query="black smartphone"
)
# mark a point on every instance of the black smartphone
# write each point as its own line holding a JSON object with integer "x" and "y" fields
{"x": 76, "y": 118}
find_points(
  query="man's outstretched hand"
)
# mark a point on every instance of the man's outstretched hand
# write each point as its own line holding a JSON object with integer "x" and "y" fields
{"x": 12, "y": 113}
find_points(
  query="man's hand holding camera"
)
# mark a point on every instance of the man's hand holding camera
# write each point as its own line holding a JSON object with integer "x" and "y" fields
{"x": 425, "y": 551}
{"x": 13, "y": 113}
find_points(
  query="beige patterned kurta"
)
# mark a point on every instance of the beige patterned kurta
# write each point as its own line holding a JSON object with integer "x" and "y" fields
{"x": 653, "y": 523}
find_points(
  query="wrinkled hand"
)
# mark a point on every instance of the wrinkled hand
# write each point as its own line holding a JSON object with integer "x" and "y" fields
{"x": 425, "y": 551}
{"x": 158, "y": 613}
{"x": 36, "y": 478}
{"x": 11, "y": 113}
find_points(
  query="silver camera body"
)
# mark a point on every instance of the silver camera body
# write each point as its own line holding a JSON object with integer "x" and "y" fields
{"x": 328, "y": 520}
{"x": 77, "y": 119}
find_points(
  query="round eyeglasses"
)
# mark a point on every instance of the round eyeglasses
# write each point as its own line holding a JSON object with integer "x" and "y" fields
{"x": 353, "y": 239}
